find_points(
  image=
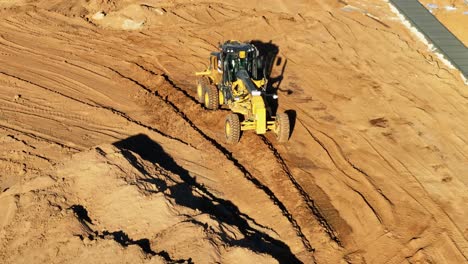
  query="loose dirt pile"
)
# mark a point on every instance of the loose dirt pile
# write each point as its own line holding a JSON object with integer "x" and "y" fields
{"x": 108, "y": 199}
{"x": 107, "y": 157}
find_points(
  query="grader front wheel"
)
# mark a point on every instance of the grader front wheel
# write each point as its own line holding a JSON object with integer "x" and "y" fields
{"x": 282, "y": 127}
{"x": 211, "y": 99}
{"x": 232, "y": 128}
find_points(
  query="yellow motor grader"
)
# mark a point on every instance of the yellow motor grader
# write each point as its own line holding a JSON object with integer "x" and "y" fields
{"x": 236, "y": 78}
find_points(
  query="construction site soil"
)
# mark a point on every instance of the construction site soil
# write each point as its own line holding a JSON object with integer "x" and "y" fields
{"x": 106, "y": 156}
{"x": 453, "y": 14}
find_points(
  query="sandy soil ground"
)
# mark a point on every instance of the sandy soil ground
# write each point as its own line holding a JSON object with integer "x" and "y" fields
{"x": 106, "y": 157}
{"x": 453, "y": 14}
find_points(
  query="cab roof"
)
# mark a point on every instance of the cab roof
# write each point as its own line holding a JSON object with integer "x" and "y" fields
{"x": 236, "y": 46}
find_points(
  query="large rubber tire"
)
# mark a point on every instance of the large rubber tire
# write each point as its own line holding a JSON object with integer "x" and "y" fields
{"x": 282, "y": 129}
{"x": 201, "y": 84}
{"x": 232, "y": 128}
{"x": 211, "y": 97}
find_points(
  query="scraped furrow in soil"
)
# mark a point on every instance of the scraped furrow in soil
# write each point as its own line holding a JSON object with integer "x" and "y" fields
{"x": 14, "y": 115}
{"x": 358, "y": 178}
{"x": 39, "y": 137}
{"x": 305, "y": 196}
{"x": 31, "y": 83}
{"x": 93, "y": 107}
{"x": 266, "y": 171}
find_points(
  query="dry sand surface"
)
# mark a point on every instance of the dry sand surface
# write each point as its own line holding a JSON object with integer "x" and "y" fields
{"x": 453, "y": 14}
{"x": 106, "y": 157}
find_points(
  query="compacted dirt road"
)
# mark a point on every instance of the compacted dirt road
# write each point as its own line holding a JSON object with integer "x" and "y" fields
{"x": 107, "y": 157}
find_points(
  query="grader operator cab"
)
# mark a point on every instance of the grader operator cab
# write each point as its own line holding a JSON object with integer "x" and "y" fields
{"x": 236, "y": 78}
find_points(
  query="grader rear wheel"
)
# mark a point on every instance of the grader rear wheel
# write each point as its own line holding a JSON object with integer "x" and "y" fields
{"x": 232, "y": 128}
{"x": 282, "y": 127}
{"x": 211, "y": 99}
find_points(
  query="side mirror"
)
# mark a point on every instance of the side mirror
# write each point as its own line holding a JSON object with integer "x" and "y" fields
{"x": 278, "y": 61}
